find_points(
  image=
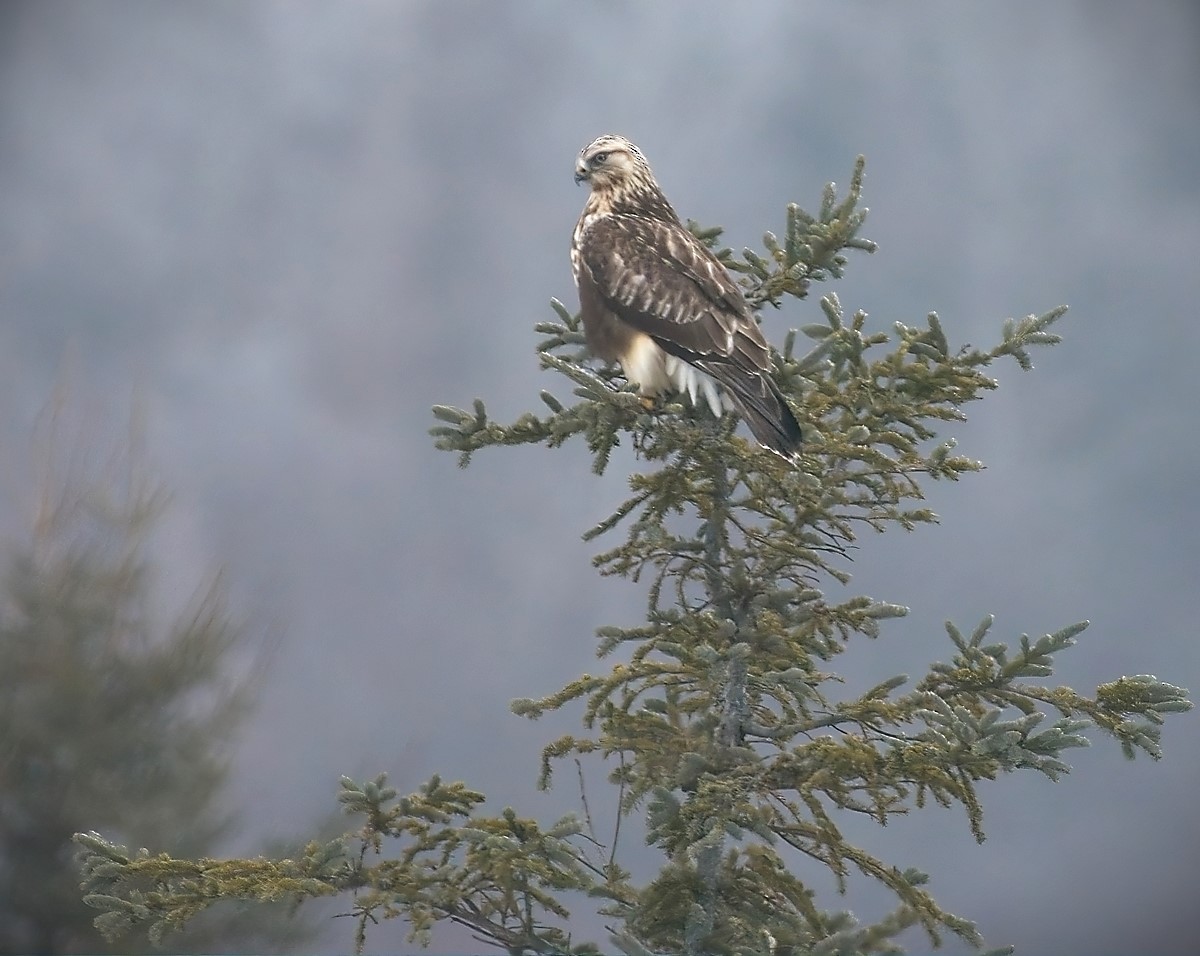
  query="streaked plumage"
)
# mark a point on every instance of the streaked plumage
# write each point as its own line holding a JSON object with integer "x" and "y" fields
{"x": 654, "y": 298}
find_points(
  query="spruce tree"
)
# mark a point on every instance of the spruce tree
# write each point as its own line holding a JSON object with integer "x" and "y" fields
{"x": 724, "y": 725}
{"x": 112, "y": 714}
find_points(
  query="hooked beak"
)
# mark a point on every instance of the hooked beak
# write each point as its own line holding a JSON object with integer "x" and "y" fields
{"x": 581, "y": 174}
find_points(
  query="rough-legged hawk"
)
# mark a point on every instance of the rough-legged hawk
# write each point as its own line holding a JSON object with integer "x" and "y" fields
{"x": 653, "y": 298}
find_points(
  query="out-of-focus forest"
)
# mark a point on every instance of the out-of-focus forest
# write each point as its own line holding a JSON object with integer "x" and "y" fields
{"x": 117, "y": 711}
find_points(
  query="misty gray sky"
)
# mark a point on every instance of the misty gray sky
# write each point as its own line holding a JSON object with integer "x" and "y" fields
{"x": 292, "y": 227}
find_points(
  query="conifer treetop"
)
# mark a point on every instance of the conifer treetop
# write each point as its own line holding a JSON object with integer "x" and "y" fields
{"x": 722, "y": 721}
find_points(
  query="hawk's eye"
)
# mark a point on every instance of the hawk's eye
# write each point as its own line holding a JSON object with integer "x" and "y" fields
{"x": 599, "y": 158}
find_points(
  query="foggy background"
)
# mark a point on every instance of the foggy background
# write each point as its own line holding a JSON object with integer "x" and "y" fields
{"x": 290, "y": 228}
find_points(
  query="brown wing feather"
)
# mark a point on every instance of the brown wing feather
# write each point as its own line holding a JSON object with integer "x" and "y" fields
{"x": 658, "y": 278}
{"x": 661, "y": 279}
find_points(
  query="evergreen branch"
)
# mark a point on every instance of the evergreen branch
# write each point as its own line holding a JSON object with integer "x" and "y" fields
{"x": 1131, "y": 708}
{"x": 501, "y": 876}
{"x": 165, "y": 893}
{"x": 812, "y": 250}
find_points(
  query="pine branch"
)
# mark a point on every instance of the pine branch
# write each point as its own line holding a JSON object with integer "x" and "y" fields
{"x": 501, "y": 876}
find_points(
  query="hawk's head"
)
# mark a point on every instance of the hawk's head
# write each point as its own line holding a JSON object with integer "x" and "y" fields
{"x": 611, "y": 162}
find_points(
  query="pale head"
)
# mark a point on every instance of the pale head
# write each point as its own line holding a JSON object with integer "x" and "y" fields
{"x": 611, "y": 161}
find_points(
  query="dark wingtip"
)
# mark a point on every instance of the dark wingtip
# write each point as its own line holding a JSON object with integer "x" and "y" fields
{"x": 778, "y": 432}
{"x": 763, "y": 408}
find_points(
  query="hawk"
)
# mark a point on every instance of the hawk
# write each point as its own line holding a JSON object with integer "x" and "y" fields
{"x": 653, "y": 298}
